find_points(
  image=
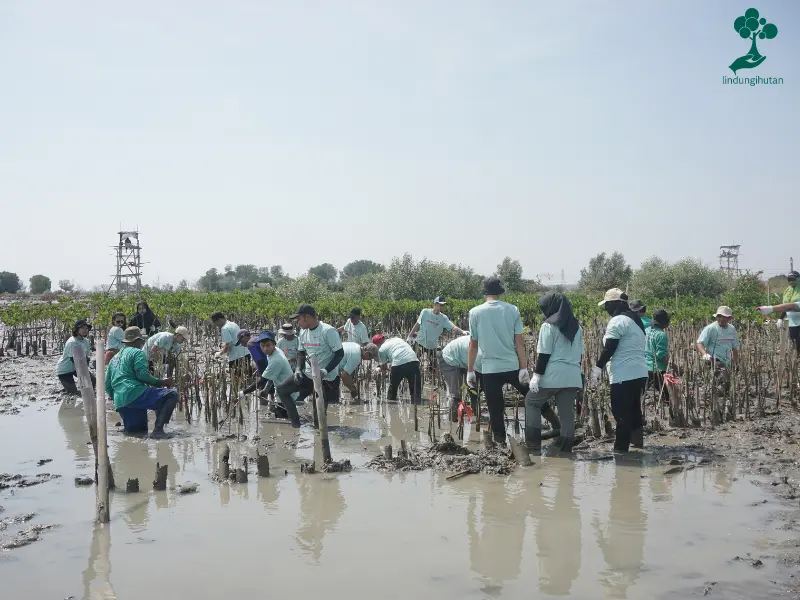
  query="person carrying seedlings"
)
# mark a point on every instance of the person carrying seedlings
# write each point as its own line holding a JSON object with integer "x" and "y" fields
{"x": 144, "y": 319}
{"x": 115, "y": 335}
{"x": 355, "y": 329}
{"x": 640, "y": 309}
{"x": 453, "y": 362}
{"x": 65, "y": 369}
{"x": 135, "y": 391}
{"x": 657, "y": 353}
{"x": 790, "y": 308}
{"x": 353, "y": 354}
{"x": 495, "y": 330}
{"x": 624, "y": 355}
{"x": 557, "y": 373}
{"x": 237, "y": 354}
{"x": 288, "y": 343}
{"x": 399, "y": 358}
{"x": 165, "y": 347}
{"x": 320, "y": 340}
{"x": 719, "y": 341}
{"x": 277, "y": 370}
{"x": 429, "y": 327}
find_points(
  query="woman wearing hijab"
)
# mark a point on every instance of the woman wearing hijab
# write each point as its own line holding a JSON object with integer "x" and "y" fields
{"x": 557, "y": 373}
{"x": 624, "y": 353}
{"x": 144, "y": 319}
{"x": 657, "y": 353}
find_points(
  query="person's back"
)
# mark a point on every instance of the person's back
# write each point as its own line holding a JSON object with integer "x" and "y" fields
{"x": 352, "y": 357}
{"x": 564, "y": 365}
{"x": 494, "y": 324}
{"x": 628, "y": 361}
{"x": 124, "y": 375}
{"x": 396, "y": 352}
{"x": 656, "y": 345}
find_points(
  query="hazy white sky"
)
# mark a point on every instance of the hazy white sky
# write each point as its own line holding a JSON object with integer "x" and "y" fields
{"x": 296, "y": 133}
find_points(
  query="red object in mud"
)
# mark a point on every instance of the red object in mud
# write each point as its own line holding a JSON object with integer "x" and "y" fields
{"x": 462, "y": 406}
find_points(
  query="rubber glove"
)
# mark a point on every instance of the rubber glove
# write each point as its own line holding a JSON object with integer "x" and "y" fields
{"x": 780, "y": 323}
{"x": 472, "y": 379}
{"x": 765, "y": 310}
{"x": 707, "y": 357}
{"x": 322, "y": 373}
{"x": 595, "y": 376}
{"x": 534, "y": 384}
{"x": 524, "y": 377}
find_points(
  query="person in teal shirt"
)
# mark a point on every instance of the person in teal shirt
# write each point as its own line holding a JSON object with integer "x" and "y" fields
{"x": 453, "y": 360}
{"x": 657, "y": 353}
{"x": 557, "y": 373}
{"x": 430, "y": 325}
{"x": 65, "y": 368}
{"x": 276, "y": 372}
{"x": 355, "y": 329}
{"x": 640, "y": 309}
{"x": 115, "y": 334}
{"x": 354, "y": 353}
{"x": 288, "y": 343}
{"x": 399, "y": 358}
{"x": 719, "y": 341}
{"x": 135, "y": 391}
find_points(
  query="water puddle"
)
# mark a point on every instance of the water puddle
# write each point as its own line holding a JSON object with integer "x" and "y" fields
{"x": 562, "y": 528}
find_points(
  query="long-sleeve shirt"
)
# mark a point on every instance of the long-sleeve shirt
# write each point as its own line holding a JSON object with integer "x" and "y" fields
{"x": 127, "y": 376}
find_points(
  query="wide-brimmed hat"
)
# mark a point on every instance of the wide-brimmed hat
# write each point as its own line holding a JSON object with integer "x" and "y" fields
{"x": 132, "y": 334}
{"x": 492, "y": 286}
{"x": 637, "y": 306}
{"x": 612, "y": 295}
{"x": 287, "y": 329}
{"x": 183, "y": 332}
{"x": 240, "y": 335}
{"x": 661, "y": 317}
{"x": 80, "y": 323}
{"x": 724, "y": 311}
{"x": 370, "y": 350}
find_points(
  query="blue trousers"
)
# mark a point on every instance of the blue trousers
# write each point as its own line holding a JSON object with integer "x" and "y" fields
{"x": 160, "y": 400}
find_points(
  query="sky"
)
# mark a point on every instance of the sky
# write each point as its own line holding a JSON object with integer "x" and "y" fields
{"x": 297, "y": 133}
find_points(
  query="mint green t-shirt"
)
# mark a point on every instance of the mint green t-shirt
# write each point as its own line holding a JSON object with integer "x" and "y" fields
{"x": 323, "y": 341}
{"x": 230, "y": 333}
{"x": 792, "y": 295}
{"x": 115, "y": 337}
{"x": 356, "y": 333}
{"x": 127, "y": 376}
{"x": 396, "y": 352}
{"x": 165, "y": 342}
{"x": 656, "y": 349}
{"x": 456, "y": 354}
{"x": 493, "y": 325}
{"x": 647, "y": 322}
{"x": 289, "y": 347}
{"x": 278, "y": 369}
{"x": 628, "y": 361}
{"x": 719, "y": 341}
{"x": 431, "y": 327}
{"x": 352, "y": 357}
{"x": 66, "y": 364}
{"x": 564, "y": 367}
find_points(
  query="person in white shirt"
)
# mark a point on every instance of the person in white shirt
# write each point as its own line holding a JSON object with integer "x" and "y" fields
{"x": 355, "y": 329}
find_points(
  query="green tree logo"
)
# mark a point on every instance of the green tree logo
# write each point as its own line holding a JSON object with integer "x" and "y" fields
{"x": 750, "y": 26}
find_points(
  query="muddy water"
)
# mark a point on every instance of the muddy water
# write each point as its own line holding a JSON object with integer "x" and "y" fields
{"x": 559, "y": 529}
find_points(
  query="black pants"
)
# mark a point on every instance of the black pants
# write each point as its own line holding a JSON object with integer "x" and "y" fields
{"x": 493, "y": 390}
{"x": 68, "y": 381}
{"x": 411, "y": 372}
{"x": 794, "y": 337}
{"x": 626, "y": 406}
{"x": 655, "y": 379}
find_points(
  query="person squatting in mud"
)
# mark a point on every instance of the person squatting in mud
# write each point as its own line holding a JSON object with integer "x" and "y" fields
{"x": 453, "y": 362}
{"x": 495, "y": 330}
{"x": 624, "y": 355}
{"x": 557, "y": 373}
{"x": 65, "y": 368}
{"x": 399, "y": 358}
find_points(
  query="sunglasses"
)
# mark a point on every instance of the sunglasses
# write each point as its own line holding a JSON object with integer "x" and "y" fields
{"x": 119, "y": 322}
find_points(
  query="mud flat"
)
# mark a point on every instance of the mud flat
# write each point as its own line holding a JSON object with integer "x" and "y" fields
{"x": 698, "y": 513}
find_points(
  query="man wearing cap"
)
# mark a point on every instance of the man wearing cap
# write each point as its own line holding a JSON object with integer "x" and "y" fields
{"x": 402, "y": 362}
{"x": 430, "y": 325}
{"x": 453, "y": 362}
{"x": 320, "y": 340}
{"x": 277, "y": 371}
{"x": 65, "y": 369}
{"x": 640, "y": 309}
{"x": 719, "y": 341}
{"x": 354, "y": 329}
{"x": 288, "y": 343}
{"x": 236, "y": 353}
{"x": 135, "y": 391}
{"x": 495, "y": 330}
{"x": 166, "y": 346}
{"x": 624, "y": 354}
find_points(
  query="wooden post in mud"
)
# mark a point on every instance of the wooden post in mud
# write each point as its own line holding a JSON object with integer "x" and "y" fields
{"x": 103, "y": 512}
{"x": 321, "y": 412}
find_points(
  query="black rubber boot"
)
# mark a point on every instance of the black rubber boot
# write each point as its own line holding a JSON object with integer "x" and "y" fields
{"x": 637, "y": 438}
{"x": 454, "y": 402}
{"x": 549, "y": 414}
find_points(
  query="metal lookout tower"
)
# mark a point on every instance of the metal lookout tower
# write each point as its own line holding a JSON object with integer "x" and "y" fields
{"x": 729, "y": 259}
{"x": 129, "y": 263}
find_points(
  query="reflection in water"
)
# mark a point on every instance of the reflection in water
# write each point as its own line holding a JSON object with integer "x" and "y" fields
{"x": 97, "y": 574}
{"x": 621, "y": 540}
{"x": 321, "y": 507}
{"x": 76, "y": 433}
{"x": 558, "y": 533}
{"x": 267, "y": 492}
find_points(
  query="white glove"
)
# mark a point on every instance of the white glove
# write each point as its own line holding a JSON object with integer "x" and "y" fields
{"x": 376, "y": 371}
{"x": 707, "y": 357}
{"x": 780, "y": 323}
{"x": 594, "y": 378}
{"x": 524, "y": 376}
{"x": 765, "y": 310}
{"x": 322, "y": 373}
{"x": 472, "y": 379}
{"x": 534, "y": 384}
{"x": 465, "y": 333}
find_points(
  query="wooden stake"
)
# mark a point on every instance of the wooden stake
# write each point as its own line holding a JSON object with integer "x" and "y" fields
{"x": 321, "y": 412}
{"x": 241, "y": 474}
{"x": 224, "y": 462}
{"x": 262, "y": 464}
{"x": 160, "y": 482}
{"x": 103, "y": 509}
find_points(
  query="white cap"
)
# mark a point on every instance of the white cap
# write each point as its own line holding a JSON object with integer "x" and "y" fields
{"x": 612, "y": 295}
{"x": 182, "y": 331}
{"x": 724, "y": 311}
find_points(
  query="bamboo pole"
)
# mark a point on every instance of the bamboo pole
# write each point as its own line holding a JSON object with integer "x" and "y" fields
{"x": 103, "y": 509}
{"x": 321, "y": 412}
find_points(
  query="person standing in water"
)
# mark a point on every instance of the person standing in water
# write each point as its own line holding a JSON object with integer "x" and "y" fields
{"x": 115, "y": 335}
{"x": 430, "y": 325}
{"x": 288, "y": 343}
{"x": 719, "y": 341}
{"x": 495, "y": 330}
{"x": 355, "y": 329}
{"x": 144, "y": 319}
{"x": 65, "y": 369}
{"x": 453, "y": 362}
{"x": 624, "y": 355}
{"x": 657, "y": 353}
{"x": 402, "y": 362}
{"x": 557, "y": 373}
{"x": 236, "y": 354}
{"x": 165, "y": 347}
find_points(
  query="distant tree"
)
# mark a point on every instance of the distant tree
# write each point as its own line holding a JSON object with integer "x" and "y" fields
{"x": 605, "y": 272}
{"x": 308, "y": 288}
{"x": 9, "y": 282}
{"x": 210, "y": 282}
{"x": 167, "y": 287}
{"x": 183, "y": 285}
{"x": 510, "y": 273}
{"x": 657, "y": 278}
{"x": 39, "y": 284}
{"x": 325, "y": 272}
{"x": 278, "y": 275}
{"x": 66, "y": 285}
{"x": 359, "y": 268}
